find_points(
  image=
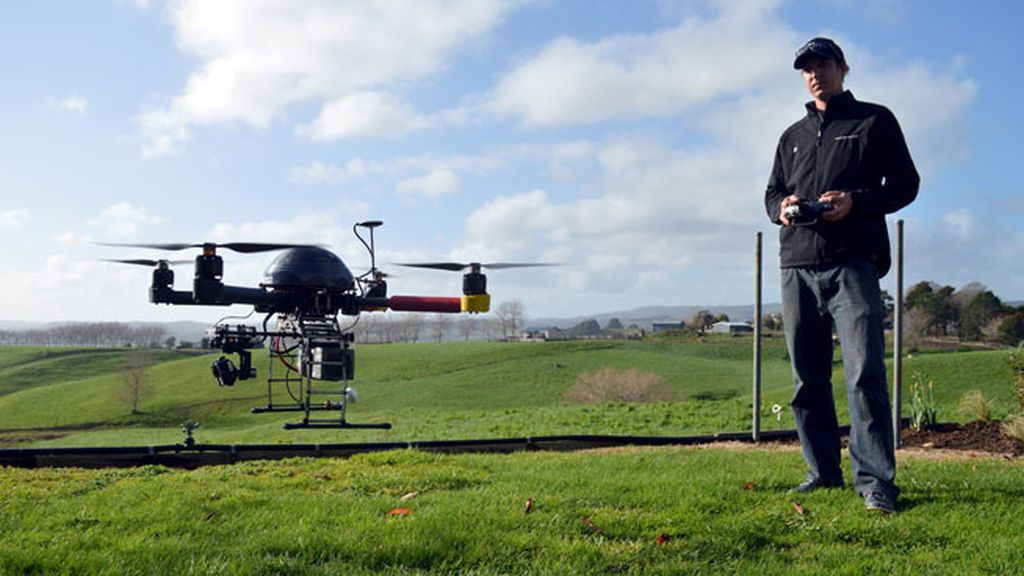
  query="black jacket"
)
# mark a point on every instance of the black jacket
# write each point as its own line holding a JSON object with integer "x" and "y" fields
{"x": 856, "y": 147}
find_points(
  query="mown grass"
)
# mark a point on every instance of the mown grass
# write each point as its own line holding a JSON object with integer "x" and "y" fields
{"x": 595, "y": 512}
{"x": 442, "y": 391}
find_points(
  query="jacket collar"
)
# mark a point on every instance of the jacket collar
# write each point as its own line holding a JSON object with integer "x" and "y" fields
{"x": 836, "y": 104}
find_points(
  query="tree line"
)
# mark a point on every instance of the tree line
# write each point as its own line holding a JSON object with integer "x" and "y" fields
{"x": 89, "y": 335}
{"x": 973, "y": 314}
{"x": 506, "y": 321}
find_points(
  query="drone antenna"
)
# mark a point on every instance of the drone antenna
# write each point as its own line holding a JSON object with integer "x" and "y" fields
{"x": 371, "y": 248}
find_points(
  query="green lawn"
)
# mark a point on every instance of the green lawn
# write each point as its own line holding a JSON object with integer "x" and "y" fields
{"x": 718, "y": 510}
{"x": 594, "y": 512}
{"x": 440, "y": 391}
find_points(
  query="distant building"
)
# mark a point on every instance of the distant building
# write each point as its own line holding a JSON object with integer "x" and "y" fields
{"x": 731, "y": 328}
{"x": 666, "y": 326}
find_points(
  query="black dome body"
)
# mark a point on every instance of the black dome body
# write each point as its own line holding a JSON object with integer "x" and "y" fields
{"x": 308, "y": 267}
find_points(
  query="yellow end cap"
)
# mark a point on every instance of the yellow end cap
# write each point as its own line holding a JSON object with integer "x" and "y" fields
{"x": 476, "y": 303}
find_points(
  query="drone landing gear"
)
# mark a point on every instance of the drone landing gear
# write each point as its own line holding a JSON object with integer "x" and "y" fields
{"x": 335, "y": 424}
{"x": 319, "y": 365}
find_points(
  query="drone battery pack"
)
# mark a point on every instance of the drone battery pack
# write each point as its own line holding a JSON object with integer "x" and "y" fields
{"x": 333, "y": 364}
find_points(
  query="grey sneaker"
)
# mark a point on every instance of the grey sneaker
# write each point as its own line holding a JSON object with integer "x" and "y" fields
{"x": 812, "y": 484}
{"x": 881, "y": 502}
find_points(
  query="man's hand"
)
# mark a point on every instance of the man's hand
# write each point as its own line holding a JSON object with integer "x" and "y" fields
{"x": 786, "y": 202}
{"x": 841, "y": 202}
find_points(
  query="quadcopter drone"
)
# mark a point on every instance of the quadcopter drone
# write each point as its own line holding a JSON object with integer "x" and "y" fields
{"x": 305, "y": 288}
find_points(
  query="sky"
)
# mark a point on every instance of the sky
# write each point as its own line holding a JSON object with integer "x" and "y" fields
{"x": 630, "y": 141}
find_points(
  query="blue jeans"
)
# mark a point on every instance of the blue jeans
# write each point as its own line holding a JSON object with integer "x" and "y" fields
{"x": 849, "y": 295}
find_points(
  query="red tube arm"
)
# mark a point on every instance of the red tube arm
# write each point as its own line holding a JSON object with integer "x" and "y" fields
{"x": 425, "y": 304}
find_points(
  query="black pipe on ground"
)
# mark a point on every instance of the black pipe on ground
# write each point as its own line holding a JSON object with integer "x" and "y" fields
{"x": 196, "y": 455}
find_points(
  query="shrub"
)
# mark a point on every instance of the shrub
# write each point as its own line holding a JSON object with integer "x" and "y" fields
{"x": 1017, "y": 363}
{"x": 922, "y": 403}
{"x": 975, "y": 407}
{"x": 1014, "y": 427}
{"x": 610, "y": 385}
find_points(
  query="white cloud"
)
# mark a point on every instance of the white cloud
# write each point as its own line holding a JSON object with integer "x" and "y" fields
{"x": 321, "y": 173}
{"x": 71, "y": 237}
{"x": 122, "y": 220}
{"x": 362, "y": 114}
{"x": 258, "y": 58}
{"x": 661, "y": 74}
{"x": 930, "y": 104}
{"x": 72, "y": 103}
{"x": 13, "y": 218}
{"x": 60, "y": 287}
{"x": 326, "y": 227}
{"x": 434, "y": 184}
{"x": 661, "y": 210}
{"x": 960, "y": 223}
{"x": 960, "y": 247}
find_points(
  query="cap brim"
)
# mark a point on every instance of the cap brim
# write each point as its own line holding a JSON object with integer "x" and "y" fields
{"x": 803, "y": 58}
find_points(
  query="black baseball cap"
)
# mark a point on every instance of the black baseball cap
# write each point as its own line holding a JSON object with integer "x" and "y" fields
{"x": 820, "y": 47}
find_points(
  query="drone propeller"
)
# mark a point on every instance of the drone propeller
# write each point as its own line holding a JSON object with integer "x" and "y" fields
{"x": 459, "y": 266}
{"x": 148, "y": 263}
{"x": 243, "y": 247}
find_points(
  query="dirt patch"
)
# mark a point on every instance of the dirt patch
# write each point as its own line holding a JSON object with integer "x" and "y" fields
{"x": 974, "y": 436}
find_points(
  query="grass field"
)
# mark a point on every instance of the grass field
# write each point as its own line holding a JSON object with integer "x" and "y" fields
{"x": 440, "y": 391}
{"x": 620, "y": 511}
{"x": 628, "y": 511}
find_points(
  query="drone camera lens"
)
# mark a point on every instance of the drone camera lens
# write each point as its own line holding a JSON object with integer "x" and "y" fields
{"x": 224, "y": 371}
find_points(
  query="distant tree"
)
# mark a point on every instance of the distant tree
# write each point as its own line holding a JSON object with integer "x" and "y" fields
{"x": 722, "y": 318}
{"x": 586, "y": 328}
{"x": 701, "y": 320}
{"x": 441, "y": 324}
{"x": 170, "y": 342}
{"x": 933, "y": 302}
{"x": 963, "y": 296}
{"x": 979, "y": 311}
{"x": 1011, "y": 329}
{"x": 915, "y": 327}
{"x": 510, "y": 317}
{"x": 135, "y": 378}
{"x": 411, "y": 327}
{"x": 467, "y": 324}
{"x": 614, "y": 324}
{"x": 772, "y": 322}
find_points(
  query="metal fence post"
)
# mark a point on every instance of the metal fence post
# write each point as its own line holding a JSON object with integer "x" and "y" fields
{"x": 897, "y": 340}
{"x": 757, "y": 338}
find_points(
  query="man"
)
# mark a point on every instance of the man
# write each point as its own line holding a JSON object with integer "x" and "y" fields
{"x": 851, "y": 156}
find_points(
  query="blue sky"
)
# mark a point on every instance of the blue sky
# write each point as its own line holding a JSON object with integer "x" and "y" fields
{"x": 629, "y": 140}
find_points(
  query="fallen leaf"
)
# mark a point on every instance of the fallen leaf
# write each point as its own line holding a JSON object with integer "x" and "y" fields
{"x": 408, "y": 496}
{"x": 529, "y": 505}
{"x": 399, "y": 512}
{"x": 799, "y": 508}
{"x": 748, "y": 486}
{"x": 590, "y": 524}
{"x": 663, "y": 539}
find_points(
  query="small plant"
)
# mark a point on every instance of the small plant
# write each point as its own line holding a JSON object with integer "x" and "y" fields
{"x": 610, "y": 385}
{"x": 922, "y": 403}
{"x": 1014, "y": 427}
{"x": 975, "y": 407}
{"x": 777, "y": 410}
{"x": 1017, "y": 363}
